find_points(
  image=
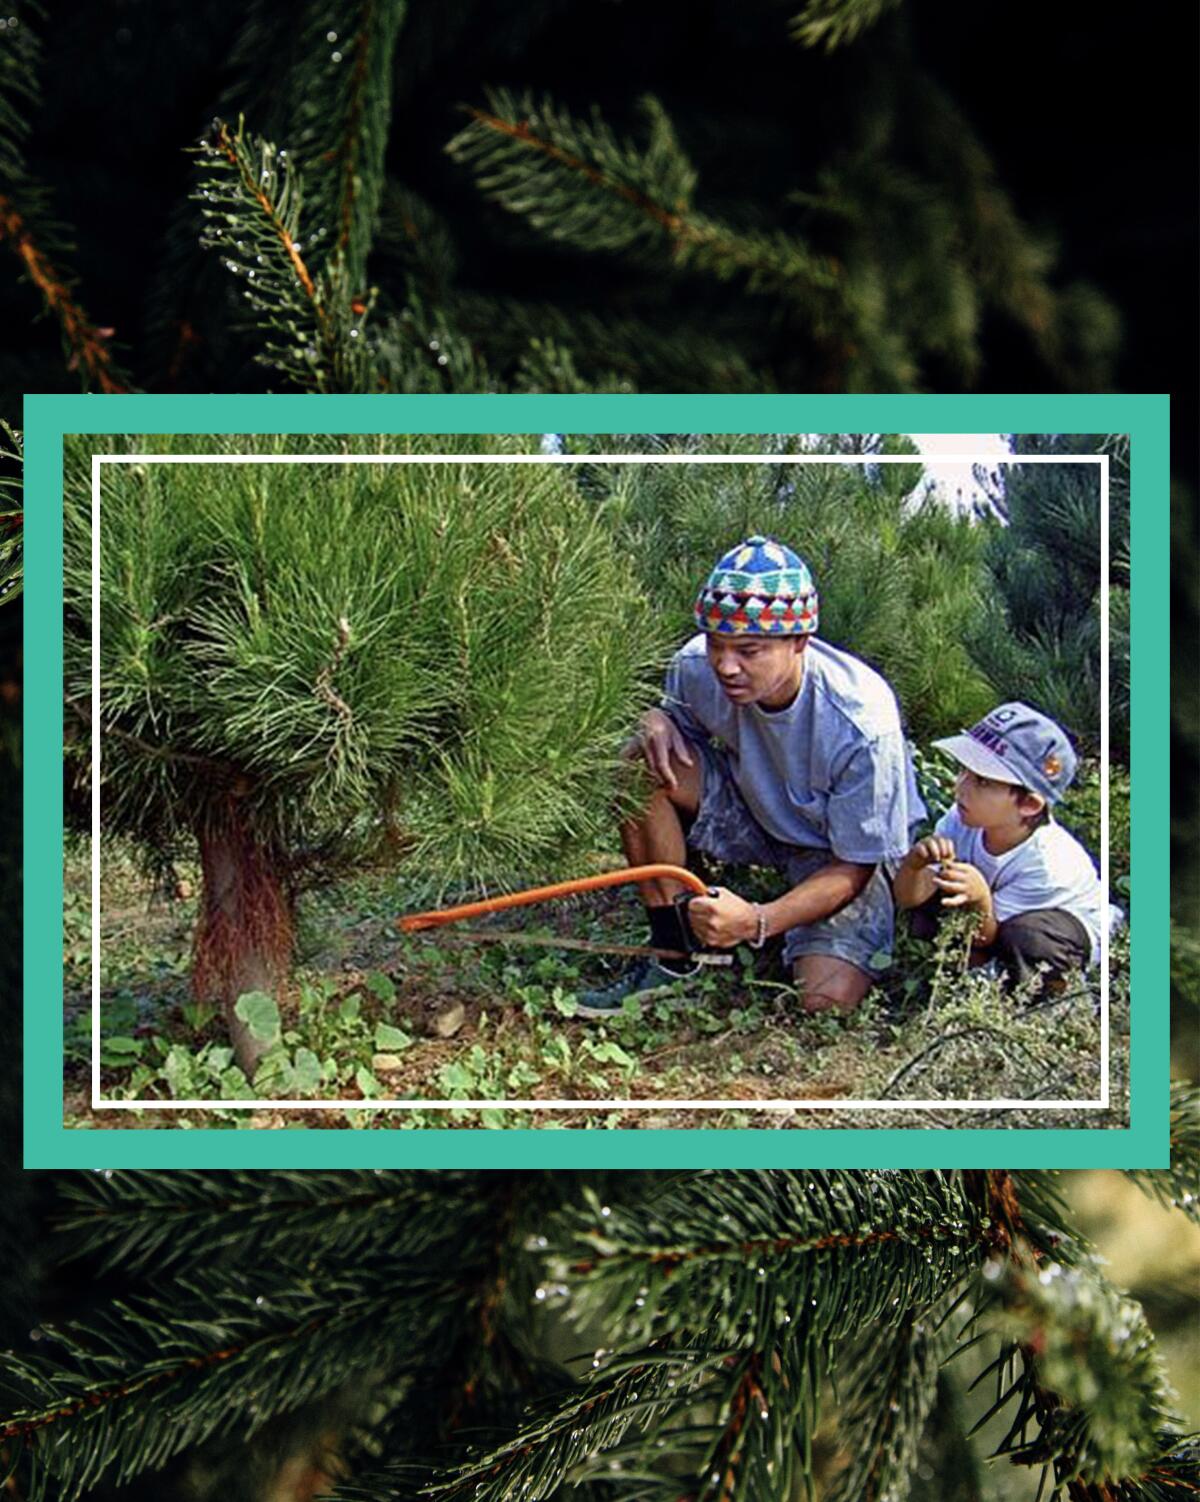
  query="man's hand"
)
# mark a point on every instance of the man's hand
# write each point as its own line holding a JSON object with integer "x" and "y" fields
{"x": 660, "y": 740}
{"x": 723, "y": 920}
{"x": 964, "y": 886}
{"x": 932, "y": 850}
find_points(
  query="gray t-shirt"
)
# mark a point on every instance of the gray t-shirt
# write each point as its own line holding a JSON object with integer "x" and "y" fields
{"x": 1050, "y": 869}
{"x": 831, "y": 771}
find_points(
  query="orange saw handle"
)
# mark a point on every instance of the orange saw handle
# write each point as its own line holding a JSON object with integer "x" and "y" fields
{"x": 557, "y": 889}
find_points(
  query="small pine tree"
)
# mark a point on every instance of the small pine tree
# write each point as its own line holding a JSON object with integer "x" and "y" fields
{"x": 304, "y": 664}
{"x": 1040, "y": 638}
{"x": 899, "y": 577}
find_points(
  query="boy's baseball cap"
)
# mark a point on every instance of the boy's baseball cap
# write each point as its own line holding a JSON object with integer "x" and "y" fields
{"x": 760, "y": 587}
{"x": 1017, "y": 744}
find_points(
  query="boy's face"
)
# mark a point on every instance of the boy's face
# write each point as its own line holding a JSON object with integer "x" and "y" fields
{"x": 757, "y": 669}
{"x": 985, "y": 803}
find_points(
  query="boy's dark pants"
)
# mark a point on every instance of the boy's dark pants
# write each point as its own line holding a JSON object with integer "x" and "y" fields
{"x": 1025, "y": 942}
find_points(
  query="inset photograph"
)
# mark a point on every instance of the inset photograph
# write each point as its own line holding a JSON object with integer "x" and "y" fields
{"x": 591, "y": 780}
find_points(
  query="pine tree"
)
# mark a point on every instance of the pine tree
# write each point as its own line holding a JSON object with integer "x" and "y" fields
{"x": 1040, "y": 637}
{"x": 555, "y": 242}
{"x": 304, "y": 666}
{"x": 899, "y": 576}
{"x": 750, "y": 1335}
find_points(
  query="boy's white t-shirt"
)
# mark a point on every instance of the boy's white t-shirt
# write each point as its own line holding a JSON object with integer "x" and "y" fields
{"x": 1050, "y": 869}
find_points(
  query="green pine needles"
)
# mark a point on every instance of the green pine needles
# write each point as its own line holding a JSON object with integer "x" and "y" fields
{"x": 774, "y": 1335}
{"x": 305, "y": 665}
{"x": 251, "y": 205}
{"x": 12, "y": 515}
{"x": 872, "y": 264}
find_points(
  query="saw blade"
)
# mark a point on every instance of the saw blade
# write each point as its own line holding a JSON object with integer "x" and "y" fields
{"x": 463, "y": 938}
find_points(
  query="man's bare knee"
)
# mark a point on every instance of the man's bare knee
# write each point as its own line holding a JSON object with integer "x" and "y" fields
{"x": 827, "y": 984}
{"x": 684, "y": 795}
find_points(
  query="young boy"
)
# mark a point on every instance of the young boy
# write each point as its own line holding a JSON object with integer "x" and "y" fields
{"x": 998, "y": 850}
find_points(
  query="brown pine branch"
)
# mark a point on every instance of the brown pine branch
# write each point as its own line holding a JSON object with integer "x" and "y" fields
{"x": 89, "y": 351}
{"x": 102, "y": 1396}
{"x": 782, "y": 1244}
{"x": 682, "y": 230}
{"x": 303, "y": 275}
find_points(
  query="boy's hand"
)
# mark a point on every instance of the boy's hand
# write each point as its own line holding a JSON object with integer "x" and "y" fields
{"x": 723, "y": 920}
{"x": 930, "y": 851}
{"x": 661, "y": 740}
{"x": 964, "y": 885}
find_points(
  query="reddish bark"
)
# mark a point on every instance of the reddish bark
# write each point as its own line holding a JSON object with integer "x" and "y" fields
{"x": 243, "y": 940}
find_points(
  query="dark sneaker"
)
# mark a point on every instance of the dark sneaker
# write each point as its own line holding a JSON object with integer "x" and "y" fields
{"x": 643, "y": 981}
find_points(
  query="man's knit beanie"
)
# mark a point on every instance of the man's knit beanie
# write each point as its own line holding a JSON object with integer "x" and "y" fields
{"x": 759, "y": 587}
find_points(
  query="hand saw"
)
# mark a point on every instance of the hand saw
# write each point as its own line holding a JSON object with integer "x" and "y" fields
{"x": 438, "y": 917}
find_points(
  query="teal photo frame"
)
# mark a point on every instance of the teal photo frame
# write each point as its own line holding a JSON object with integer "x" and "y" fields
{"x": 1143, "y": 1143}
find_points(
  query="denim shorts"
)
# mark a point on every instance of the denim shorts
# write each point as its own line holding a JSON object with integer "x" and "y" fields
{"x": 724, "y": 828}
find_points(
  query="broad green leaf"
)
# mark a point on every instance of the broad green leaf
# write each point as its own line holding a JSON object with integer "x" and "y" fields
{"x": 613, "y": 1053}
{"x": 306, "y": 1072}
{"x": 390, "y": 1039}
{"x": 179, "y": 1073}
{"x": 381, "y": 985}
{"x": 260, "y": 1013}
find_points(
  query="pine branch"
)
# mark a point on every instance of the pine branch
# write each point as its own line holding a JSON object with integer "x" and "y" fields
{"x": 12, "y": 516}
{"x": 791, "y": 1248}
{"x": 26, "y": 226}
{"x": 20, "y": 96}
{"x": 422, "y": 349}
{"x": 311, "y": 325}
{"x": 1179, "y": 1185}
{"x": 833, "y": 23}
{"x": 152, "y": 1376}
{"x": 579, "y": 184}
{"x": 339, "y": 99}
{"x": 1091, "y": 1383}
{"x": 84, "y": 343}
{"x": 644, "y": 354}
{"x": 884, "y": 1408}
{"x": 136, "y": 1221}
{"x": 556, "y": 1444}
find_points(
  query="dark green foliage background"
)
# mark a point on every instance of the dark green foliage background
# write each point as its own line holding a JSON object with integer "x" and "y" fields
{"x": 1053, "y": 95}
{"x": 759, "y": 115}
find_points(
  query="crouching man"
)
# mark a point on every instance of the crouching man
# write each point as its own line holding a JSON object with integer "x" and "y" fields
{"x": 773, "y": 749}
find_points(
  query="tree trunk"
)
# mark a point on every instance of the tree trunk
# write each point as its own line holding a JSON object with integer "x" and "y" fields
{"x": 243, "y": 940}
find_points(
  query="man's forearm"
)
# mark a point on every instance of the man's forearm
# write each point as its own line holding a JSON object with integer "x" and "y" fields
{"x": 818, "y": 896}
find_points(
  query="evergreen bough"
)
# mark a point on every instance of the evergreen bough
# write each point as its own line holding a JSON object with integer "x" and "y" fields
{"x": 869, "y": 254}
{"x": 748, "y": 1335}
